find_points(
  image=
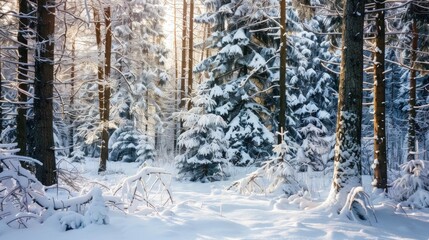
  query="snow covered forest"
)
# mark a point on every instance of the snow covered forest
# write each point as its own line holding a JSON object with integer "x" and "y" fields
{"x": 214, "y": 119}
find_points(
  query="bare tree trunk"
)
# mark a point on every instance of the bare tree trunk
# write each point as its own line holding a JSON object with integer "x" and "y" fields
{"x": 104, "y": 151}
{"x": 183, "y": 62}
{"x": 21, "y": 119}
{"x": 380, "y": 159}
{"x": 72, "y": 116}
{"x": 176, "y": 86}
{"x": 347, "y": 157}
{"x": 43, "y": 148}
{"x": 100, "y": 70}
{"x": 412, "y": 101}
{"x": 190, "y": 50}
{"x": 282, "y": 80}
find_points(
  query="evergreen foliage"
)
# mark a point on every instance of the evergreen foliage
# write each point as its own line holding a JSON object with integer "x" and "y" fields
{"x": 203, "y": 141}
{"x": 411, "y": 189}
{"x": 248, "y": 138}
{"x": 129, "y": 145}
{"x": 240, "y": 66}
{"x": 279, "y": 171}
{"x": 312, "y": 97}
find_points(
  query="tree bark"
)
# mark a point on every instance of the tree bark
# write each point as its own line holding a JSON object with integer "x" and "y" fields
{"x": 380, "y": 159}
{"x": 183, "y": 62}
{"x": 412, "y": 101}
{"x": 72, "y": 116}
{"x": 190, "y": 50}
{"x": 43, "y": 144}
{"x": 282, "y": 80}
{"x": 100, "y": 70}
{"x": 347, "y": 157}
{"x": 105, "y": 101}
{"x": 21, "y": 119}
{"x": 100, "y": 74}
{"x": 176, "y": 87}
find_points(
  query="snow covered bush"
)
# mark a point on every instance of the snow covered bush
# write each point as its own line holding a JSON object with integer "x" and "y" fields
{"x": 25, "y": 201}
{"x": 276, "y": 174}
{"x": 411, "y": 189}
{"x": 358, "y": 206}
{"x": 77, "y": 155}
{"x": 16, "y": 205}
{"x": 97, "y": 211}
{"x": 129, "y": 145}
{"x": 150, "y": 187}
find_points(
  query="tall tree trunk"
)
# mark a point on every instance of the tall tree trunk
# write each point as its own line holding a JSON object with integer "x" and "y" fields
{"x": 183, "y": 62}
{"x": 71, "y": 107}
{"x": 347, "y": 157}
{"x": 21, "y": 119}
{"x": 43, "y": 148}
{"x": 190, "y": 50}
{"x": 282, "y": 80}
{"x": 105, "y": 107}
{"x": 380, "y": 159}
{"x": 412, "y": 101}
{"x": 100, "y": 69}
{"x": 176, "y": 86}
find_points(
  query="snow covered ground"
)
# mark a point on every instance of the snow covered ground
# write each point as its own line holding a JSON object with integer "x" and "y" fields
{"x": 208, "y": 211}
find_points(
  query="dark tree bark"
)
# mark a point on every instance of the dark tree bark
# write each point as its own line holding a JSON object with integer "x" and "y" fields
{"x": 21, "y": 119}
{"x": 43, "y": 144}
{"x": 100, "y": 74}
{"x": 380, "y": 159}
{"x": 412, "y": 101}
{"x": 100, "y": 70}
{"x": 183, "y": 61}
{"x": 72, "y": 116}
{"x": 105, "y": 100}
{"x": 282, "y": 80}
{"x": 176, "y": 81}
{"x": 347, "y": 158}
{"x": 190, "y": 50}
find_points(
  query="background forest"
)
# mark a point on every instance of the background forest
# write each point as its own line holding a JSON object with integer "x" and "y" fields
{"x": 283, "y": 88}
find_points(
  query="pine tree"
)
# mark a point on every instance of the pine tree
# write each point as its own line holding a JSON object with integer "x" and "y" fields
{"x": 204, "y": 146}
{"x": 406, "y": 92}
{"x": 129, "y": 145}
{"x": 380, "y": 158}
{"x": 43, "y": 143}
{"x": 140, "y": 57}
{"x": 312, "y": 97}
{"x": 21, "y": 119}
{"x": 241, "y": 68}
{"x": 347, "y": 159}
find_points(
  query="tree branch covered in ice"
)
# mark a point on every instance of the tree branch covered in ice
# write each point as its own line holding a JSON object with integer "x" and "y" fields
{"x": 411, "y": 189}
{"x": 150, "y": 187}
{"x": 24, "y": 200}
{"x": 277, "y": 173}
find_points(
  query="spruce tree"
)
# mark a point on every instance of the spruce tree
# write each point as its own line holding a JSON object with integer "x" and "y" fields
{"x": 203, "y": 143}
